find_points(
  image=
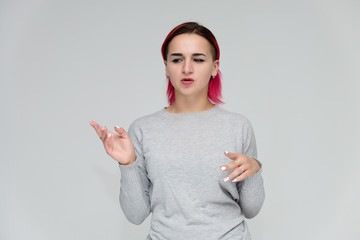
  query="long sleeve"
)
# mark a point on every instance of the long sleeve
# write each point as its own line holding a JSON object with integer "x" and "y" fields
{"x": 251, "y": 190}
{"x": 134, "y": 185}
{"x": 171, "y": 150}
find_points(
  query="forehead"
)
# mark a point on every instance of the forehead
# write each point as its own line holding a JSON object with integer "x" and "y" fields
{"x": 189, "y": 43}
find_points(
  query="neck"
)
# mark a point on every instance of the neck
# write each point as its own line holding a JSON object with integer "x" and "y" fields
{"x": 189, "y": 105}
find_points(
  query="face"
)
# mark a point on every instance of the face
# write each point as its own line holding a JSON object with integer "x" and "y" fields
{"x": 190, "y": 65}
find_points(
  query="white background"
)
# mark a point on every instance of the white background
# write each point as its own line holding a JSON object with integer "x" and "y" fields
{"x": 291, "y": 67}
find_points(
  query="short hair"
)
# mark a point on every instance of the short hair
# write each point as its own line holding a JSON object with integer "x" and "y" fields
{"x": 214, "y": 89}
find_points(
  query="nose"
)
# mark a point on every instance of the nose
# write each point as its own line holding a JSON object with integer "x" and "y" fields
{"x": 188, "y": 67}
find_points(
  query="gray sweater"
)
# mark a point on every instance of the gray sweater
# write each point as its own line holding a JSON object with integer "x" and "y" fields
{"x": 177, "y": 177}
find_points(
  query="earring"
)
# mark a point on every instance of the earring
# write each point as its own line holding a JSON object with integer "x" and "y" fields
{"x": 213, "y": 76}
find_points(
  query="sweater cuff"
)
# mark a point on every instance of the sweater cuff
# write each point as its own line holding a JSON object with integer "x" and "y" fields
{"x": 129, "y": 174}
{"x": 254, "y": 181}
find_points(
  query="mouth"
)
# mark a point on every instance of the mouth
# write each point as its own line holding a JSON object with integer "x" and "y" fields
{"x": 187, "y": 81}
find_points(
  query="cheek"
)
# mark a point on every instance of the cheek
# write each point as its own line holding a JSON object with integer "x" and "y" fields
{"x": 207, "y": 71}
{"x": 171, "y": 70}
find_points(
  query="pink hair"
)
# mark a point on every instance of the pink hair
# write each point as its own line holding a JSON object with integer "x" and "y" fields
{"x": 214, "y": 88}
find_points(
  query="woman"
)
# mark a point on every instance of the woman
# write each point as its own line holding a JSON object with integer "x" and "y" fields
{"x": 173, "y": 163}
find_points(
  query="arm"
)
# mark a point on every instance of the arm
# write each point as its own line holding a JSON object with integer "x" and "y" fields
{"x": 134, "y": 190}
{"x": 247, "y": 174}
{"x": 252, "y": 194}
{"x": 251, "y": 189}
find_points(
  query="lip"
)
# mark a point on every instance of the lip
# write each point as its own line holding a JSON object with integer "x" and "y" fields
{"x": 187, "y": 81}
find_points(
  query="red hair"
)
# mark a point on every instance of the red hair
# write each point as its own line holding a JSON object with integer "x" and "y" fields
{"x": 214, "y": 89}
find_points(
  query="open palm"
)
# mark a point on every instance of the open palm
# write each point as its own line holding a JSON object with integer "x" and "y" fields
{"x": 119, "y": 146}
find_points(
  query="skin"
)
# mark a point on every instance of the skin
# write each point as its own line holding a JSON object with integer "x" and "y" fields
{"x": 189, "y": 56}
{"x": 117, "y": 145}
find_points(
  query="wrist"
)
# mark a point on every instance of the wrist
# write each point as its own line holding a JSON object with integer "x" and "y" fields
{"x": 128, "y": 163}
{"x": 257, "y": 164}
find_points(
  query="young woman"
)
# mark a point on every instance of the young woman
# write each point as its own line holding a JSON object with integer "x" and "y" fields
{"x": 193, "y": 165}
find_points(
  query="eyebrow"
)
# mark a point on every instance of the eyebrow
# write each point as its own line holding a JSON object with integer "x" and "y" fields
{"x": 180, "y": 54}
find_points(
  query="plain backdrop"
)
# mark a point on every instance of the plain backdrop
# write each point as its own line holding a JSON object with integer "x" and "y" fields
{"x": 291, "y": 67}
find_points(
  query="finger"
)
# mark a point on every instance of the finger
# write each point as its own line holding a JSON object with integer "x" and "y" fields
{"x": 98, "y": 128}
{"x": 234, "y": 164}
{"x": 241, "y": 177}
{"x": 235, "y": 173}
{"x": 107, "y": 137}
{"x": 104, "y": 134}
{"x": 122, "y": 133}
{"x": 233, "y": 156}
{"x": 226, "y": 167}
{"x": 108, "y": 134}
{"x": 107, "y": 141}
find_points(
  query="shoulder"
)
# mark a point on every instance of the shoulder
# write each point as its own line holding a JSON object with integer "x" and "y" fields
{"x": 146, "y": 121}
{"x": 233, "y": 118}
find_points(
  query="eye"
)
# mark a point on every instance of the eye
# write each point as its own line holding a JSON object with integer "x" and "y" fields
{"x": 199, "y": 60}
{"x": 176, "y": 60}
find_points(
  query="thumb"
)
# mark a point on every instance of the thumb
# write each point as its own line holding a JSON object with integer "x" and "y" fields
{"x": 121, "y": 132}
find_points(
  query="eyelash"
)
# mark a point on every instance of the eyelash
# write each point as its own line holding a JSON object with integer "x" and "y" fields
{"x": 197, "y": 60}
{"x": 176, "y": 60}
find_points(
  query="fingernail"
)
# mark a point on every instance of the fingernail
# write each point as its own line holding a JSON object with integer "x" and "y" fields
{"x": 109, "y": 135}
{"x": 226, "y": 152}
{"x": 235, "y": 180}
{"x": 223, "y": 168}
{"x": 117, "y": 126}
{"x": 226, "y": 179}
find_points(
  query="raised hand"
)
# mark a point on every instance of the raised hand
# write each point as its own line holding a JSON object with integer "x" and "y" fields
{"x": 119, "y": 146}
{"x": 242, "y": 165}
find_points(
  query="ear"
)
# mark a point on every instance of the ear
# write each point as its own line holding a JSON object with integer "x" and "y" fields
{"x": 215, "y": 68}
{"x": 166, "y": 70}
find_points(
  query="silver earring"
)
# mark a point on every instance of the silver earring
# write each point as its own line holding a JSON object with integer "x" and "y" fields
{"x": 213, "y": 76}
